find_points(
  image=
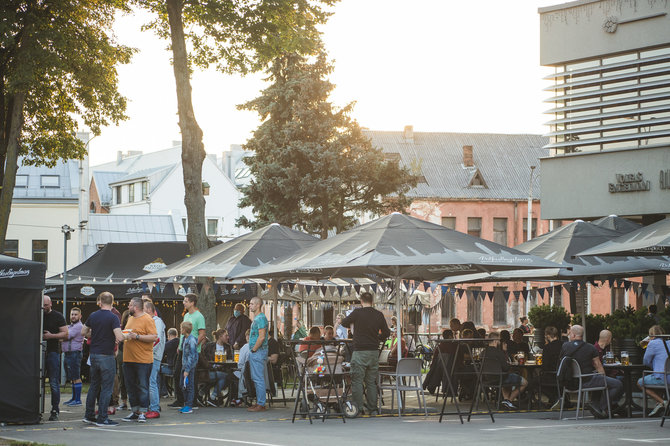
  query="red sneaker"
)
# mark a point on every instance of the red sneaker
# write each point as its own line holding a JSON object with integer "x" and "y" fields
{"x": 111, "y": 410}
{"x": 153, "y": 414}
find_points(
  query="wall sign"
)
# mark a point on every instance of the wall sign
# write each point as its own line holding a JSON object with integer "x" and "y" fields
{"x": 629, "y": 182}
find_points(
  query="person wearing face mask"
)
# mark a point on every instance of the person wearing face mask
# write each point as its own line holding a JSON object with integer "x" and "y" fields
{"x": 237, "y": 325}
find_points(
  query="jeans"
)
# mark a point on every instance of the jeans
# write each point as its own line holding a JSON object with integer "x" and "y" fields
{"x": 73, "y": 365}
{"x": 136, "y": 375}
{"x": 154, "y": 397}
{"x": 178, "y": 378}
{"x": 365, "y": 369}
{"x": 165, "y": 374}
{"x": 614, "y": 388}
{"x": 220, "y": 379}
{"x": 103, "y": 371}
{"x": 257, "y": 368}
{"x": 187, "y": 388}
{"x": 53, "y": 373}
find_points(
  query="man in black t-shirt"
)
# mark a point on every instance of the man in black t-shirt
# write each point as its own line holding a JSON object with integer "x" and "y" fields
{"x": 55, "y": 330}
{"x": 369, "y": 329}
{"x": 104, "y": 331}
{"x": 589, "y": 362}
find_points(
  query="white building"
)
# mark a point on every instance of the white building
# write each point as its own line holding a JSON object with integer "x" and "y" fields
{"x": 152, "y": 184}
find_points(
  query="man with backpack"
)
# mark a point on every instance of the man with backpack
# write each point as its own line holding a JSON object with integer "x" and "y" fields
{"x": 588, "y": 359}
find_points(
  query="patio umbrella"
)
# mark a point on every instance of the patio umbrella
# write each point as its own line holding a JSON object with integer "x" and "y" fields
{"x": 652, "y": 240}
{"x": 618, "y": 224}
{"x": 399, "y": 247}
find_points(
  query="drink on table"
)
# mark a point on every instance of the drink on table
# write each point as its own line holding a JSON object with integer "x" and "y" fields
{"x": 237, "y": 356}
{"x": 609, "y": 358}
{"x": 538, "y": 358}
{"x": 217, "y": 357}
{"x": 224, "y": 356}
{"x": 644, "y": 342}
{"x": 625, "y": 359}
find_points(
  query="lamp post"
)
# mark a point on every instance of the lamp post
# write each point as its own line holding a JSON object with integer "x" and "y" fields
{"x": 67, "y": 234}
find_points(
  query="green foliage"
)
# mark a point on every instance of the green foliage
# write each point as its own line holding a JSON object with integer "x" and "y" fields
{"x": 60, "y": 55}
{"x": 543, "y": 316}
{"x": 629, "y": 323}
{"x": 313, "y": 167}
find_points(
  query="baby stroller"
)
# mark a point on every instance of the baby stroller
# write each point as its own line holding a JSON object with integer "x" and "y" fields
{"x": 325, "y": 373}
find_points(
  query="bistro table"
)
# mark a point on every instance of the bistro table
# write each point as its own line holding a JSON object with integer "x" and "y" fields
{"x": 627, "y": 383}
{"x": 528, "y": 369}
{"x": 227, "y": 367}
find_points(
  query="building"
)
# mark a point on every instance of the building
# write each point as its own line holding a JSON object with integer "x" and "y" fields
{"x": 476, "y": 183}
{"x": 152, "y": 184}
{"x": 609, "y": 111}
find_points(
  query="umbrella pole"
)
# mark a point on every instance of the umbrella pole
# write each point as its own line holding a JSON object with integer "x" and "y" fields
{"x": 398, "y": 315}
{"x": 275, "y": 293}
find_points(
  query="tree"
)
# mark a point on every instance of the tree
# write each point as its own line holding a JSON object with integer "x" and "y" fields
{"x": 313, "y": 167}
{"x": 57, "y": 68}
{"x": 235, "y": 37}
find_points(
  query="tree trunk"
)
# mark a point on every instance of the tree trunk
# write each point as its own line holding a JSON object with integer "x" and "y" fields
{"x": 14, "y": 127}
{"x": 192, "y": 154}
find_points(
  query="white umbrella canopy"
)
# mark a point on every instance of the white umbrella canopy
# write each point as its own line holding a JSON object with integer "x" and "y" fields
{"x": 616, "y": 223}
{"x": 400, "y": 247}
{"x": 652, "y": 240}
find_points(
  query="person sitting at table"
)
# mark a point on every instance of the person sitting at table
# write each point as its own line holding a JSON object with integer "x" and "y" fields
{"x": 525, "y": 328}
{"x": 481, "y": 333}
{"x": 468, "y": 325}
{"x": 603, "y": 346}
{"x": 239, "y": 372}
{"x": 513, "y": 384}
{"x": 654, "y": 357}
{"x": 505, "y": 341}
{"x": 550, "y": 355}
{"x": 219, "y": 345}
{"x": 455, "y": 327}
{"x": 393, "y": 355}
{"x": 518, "y": 344}
{"x": 435, "y": 376}
{"x": 587, "y": 356}
{"x": 314, "y": 335}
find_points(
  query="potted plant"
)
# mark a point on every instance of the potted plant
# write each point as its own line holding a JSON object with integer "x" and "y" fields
{"x": 544, "y": 316}
{"x": 628, "y": 327}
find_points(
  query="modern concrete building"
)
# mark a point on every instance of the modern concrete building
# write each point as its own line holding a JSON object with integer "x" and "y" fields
{"x": 609, "y": 108}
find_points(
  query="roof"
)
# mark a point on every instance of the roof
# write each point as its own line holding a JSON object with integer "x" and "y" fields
{"x": 67, "y": 187}
{"x": 105, "y": 228}
{"x": 136, "y": 163}
{"x": 155, "y": 176}
{"x": 102, "y": 181}
{"x": 502, "y": 160}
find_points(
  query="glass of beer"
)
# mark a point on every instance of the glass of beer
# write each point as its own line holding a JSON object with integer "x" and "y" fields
{"x": 237, "y": 356}
{"x": 538, "y": 358}
{"x": 644, "y": 342}
{"x": 625, "y": 359}
{"x": 217, "y": 357}
{"x": 609, "y": 358}
{"x": 224, "y": 356}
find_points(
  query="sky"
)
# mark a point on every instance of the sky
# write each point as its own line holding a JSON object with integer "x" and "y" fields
{"x": 439, "y": 65}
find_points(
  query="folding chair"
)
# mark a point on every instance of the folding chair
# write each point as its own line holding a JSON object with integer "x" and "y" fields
{"x": 581, "y": 390}
{"x": 665, "y": 387}
{"x": 407, "y": 378}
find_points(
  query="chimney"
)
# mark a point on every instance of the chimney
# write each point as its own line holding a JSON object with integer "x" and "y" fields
{"x": 408, "y": 133}
{"x": 119, "y": 156}
{"x": 468, "y": 161}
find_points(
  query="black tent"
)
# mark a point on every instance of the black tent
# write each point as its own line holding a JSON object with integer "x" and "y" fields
{"x": 114, "y": 268}
{"x": 21, "y": 284}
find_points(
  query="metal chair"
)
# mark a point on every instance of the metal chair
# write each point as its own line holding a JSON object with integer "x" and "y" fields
{"x": 664, "y": 386}
{"x": 407, "y": 378}
{"x": 581, "y": 390}
{"x": 492, "y": 378}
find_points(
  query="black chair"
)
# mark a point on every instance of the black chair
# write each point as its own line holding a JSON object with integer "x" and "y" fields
{"x": 492, "y": 379}
{"x": 664, "y": 387}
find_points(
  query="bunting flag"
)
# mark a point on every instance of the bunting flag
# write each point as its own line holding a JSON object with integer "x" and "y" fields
{"x": 610, "y": 281}
{"x": 626, "y": 284}
{"x": 506, "y": 295}
{"x": 516, "y": 294}
{"x": 433, "y": 286}
{"x": 291, "y": 286}
{"x": 373, "y": 287}
{"x": 263, "y": 286}
{"x": 524, "y": 294}
{"x": 340, "y": 289}
{"x": 443, "y": 290}
{"x": 357, "y": 288}
{"x": 324, "y": 288}
{"x": 643, "y": 288}
{"x": 308, "y": 289}
{"x": 460, "y": 292}
{"x": 540, "y": 291}
{"x": 490, "y": 295}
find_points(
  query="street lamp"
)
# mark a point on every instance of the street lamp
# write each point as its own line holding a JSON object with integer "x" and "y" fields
{"x": 67, "y": 234}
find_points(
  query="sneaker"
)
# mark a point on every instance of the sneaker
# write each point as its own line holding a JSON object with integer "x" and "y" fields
{"x": 507, "y": 404}
{"x": 123, "y": 406}
{"x": 595, "y": 411}
{"x": 107, "y": 423}
{"x": 89, "y": 420}
{"x": 142, "y": 418}
{"x": 54, "y": 416}
{"x": 656, "y": 410}
{"x": 66, "y": 403}
{"x": 111, "y": 410}
{"x": 256, "y": 408}
{"x": 73, "y": 404}
{"x": 153, "y": 414}
{"x": 175, "y": 405}
{"x": 186, "y": 409}
{"x": 132, "y": 417}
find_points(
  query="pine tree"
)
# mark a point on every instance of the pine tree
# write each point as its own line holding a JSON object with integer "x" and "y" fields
{"x": 313, "y": 168}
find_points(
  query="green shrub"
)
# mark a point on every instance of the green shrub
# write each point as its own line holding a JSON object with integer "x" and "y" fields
{"x": 544, "y": 316}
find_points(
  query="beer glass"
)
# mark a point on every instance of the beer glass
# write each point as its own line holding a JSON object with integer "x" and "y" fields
{"x": 625, "y": 359}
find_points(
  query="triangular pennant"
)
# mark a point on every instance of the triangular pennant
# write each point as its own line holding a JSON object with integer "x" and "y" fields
{"x": 643, "y": 287}
{"x": 427, "y": 286}
{"x": 373, "y": 287}
{"x": 263, "y": 286}
{"x": 357, "y": 288}
{"x": 324, "y": 288}
{"x": 516, "y": 294}
{"x": 443, "y": 290}
{"x": 610, "y": 282}
{"x": 626, "y": 284}
{"x": 524, "y": 294}
{"x": 490, "y": 295}
{"x": 291, "y": 286}
{"x": 308, "y": 289}
{"x": 541, "y": 291}
{"x": 340, "y": 290}
{"x": 506, "y": 295}
{"x": 433, "y": 287}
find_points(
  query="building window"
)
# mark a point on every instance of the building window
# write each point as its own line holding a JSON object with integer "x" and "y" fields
{"x": 49, "y": 181}
{"x": 449, "y": 222}
{"x": 499, "y": 306}
{"x": 448, "y": 309}
{"x": 21, "y": 181}
{"x": 40, "y": 250}
{"x": 500, "y": 231}
{"x": 474, "y": 305}
{"x": 212, "y": 226}
{"x": 118, "y": 194}
{"x": 475, "y": 226}
{"x": 131, "y": 193}
{"x": 618, "y": 298}
{"x": 11, "y": 248}
{"x": 582, "y": 297}
{"x": 145, "y": 190}
{"x": 533, "y": 231}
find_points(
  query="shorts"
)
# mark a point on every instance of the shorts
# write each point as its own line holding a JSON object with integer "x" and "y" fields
{"x": 650, "y": 380}
{"x": 512, "y": 379}
{"x": 72, "y": 365}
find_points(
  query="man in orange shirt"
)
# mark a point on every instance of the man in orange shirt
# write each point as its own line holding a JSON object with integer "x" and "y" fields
{"x": 138, "y": 358}
{"x": 314, "y": 335}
